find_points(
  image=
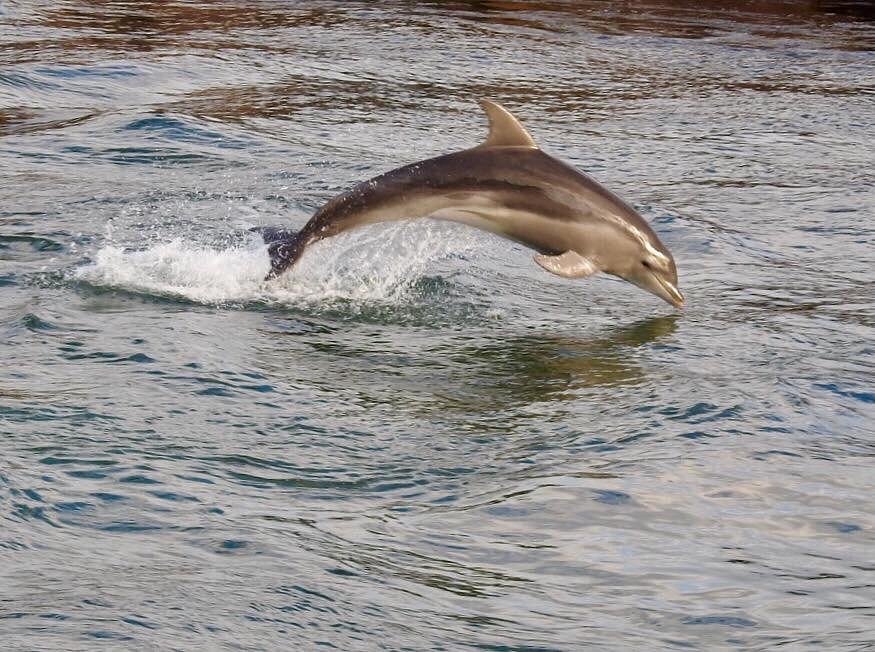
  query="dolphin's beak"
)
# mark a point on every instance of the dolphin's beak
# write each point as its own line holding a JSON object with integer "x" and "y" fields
{"x": 654, "y": 283}
{"x": 670, "y": 293}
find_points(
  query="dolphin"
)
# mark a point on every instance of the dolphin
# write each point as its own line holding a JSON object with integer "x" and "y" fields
{"x": 507, "y": 186}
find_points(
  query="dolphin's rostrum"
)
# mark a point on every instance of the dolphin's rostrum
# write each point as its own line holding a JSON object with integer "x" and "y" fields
{"x": 510, "y": 187}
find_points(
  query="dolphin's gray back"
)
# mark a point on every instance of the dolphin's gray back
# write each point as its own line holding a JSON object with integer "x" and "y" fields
{"x": 456, "y": 186}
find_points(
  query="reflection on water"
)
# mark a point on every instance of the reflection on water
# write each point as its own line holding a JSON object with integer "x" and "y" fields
{"x": 532, "y": 368}
{"x": 421, "y": 440}
{"x": 466, "y": 377}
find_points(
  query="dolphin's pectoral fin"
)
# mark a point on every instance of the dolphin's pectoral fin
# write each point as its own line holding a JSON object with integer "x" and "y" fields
{"x": 570, "y": 264}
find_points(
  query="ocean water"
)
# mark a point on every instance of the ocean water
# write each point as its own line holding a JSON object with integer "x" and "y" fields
{"x": 419, "y": 440}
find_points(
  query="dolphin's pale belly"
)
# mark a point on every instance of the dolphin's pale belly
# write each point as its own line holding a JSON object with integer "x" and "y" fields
{"x": 532, "y": 230}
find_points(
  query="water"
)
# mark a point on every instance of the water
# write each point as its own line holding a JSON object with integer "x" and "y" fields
{"x": 420, "y": 440}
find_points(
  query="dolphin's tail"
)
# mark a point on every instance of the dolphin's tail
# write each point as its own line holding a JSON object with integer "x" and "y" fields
{"x": 271, "y": 234}
{"x": 283, "y": 254}
{"x": 284, "y": 247}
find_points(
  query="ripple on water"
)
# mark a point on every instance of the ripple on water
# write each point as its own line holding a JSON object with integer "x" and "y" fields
{"x": 26, "y": 243}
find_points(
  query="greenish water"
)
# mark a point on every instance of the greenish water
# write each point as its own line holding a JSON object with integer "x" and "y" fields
{"x": 419, "y": 440}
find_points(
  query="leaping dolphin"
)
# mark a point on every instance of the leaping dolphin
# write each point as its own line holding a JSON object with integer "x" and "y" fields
{"x": 507, "y": 186}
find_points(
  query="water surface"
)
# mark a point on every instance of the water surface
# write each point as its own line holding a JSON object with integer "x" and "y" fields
{"x": 419, "y": 439}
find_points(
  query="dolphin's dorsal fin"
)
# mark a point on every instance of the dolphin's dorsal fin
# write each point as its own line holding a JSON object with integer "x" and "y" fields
{"x": 504, "y": 129}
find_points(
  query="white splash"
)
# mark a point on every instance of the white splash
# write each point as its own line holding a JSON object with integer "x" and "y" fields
{"x": 377, "y": 265}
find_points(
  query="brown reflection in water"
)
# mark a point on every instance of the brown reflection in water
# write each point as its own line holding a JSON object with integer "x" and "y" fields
{"x": 735, "y": 9}
{"x": 169, "y": 17}
{"x": 180, "y": 27}
{"x": 286, "y": 98}
{"x": 9, "y": 116}
{"x": 856, "y": 8}
{"x": 362, "y": 98}
{"x": 531, "y": 369}
{"x": 679, "y": 18}
{"x": 155, "y": 24}
{"x": 23, "y": 121}
{"x": 458, "y": 380}
{"x": 14, "y": 394}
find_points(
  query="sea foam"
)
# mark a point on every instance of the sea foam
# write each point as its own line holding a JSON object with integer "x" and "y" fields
{"x": 375, "y": 265}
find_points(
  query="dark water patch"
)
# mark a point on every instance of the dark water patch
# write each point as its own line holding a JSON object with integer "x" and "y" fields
{"x": 24, "y": 81}
{"x": 34, "y": 156}
{"x": 124, "y": 295}
{"x": 612, "y": 497}
{"x": 27, "y": 493}
{"x": 844, "y": 528}
{"x": 139, "y": 621}
{"x": 697, "y": 435}
{"x": 252, "y": 480}
{"x": 72, "y": 506}
{"x": 138, "y": 479}
{"x": 22, "y": 511}
{"x": 108, "y": 497}
{"x": 87, "y": 474}
{"x": 261, "y": 389}
{"x": 781, "y": 453}
{"x": 31, "y": 241}
{"x": 74, "y": 72}
{"x": 726, "y": 621}
{"x": 174, "y": 497}
{"x": 215, "y": 391}
{"x": 342, "y": 572}
{"x": 232, "y": 545}
{"x": 707, "y": 413}
{"x": 165, "y": 157}
{"x": 222, "y": 387}
{"x": 36, "y": 324}
{"x": 176, "y": 129}
{"x": 54, "y": 460}
{"x": 129, "y": 527}
{"x": 196, "y": 478}
{"x": 108, "y": 635}
{"x": 74, "y": 415}
{"x": 860, "y": 395}
{"x": 110, "y": 357}
{"x": 12, "y": 546}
